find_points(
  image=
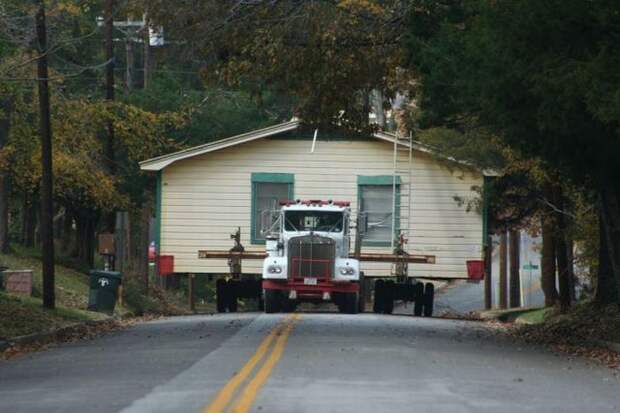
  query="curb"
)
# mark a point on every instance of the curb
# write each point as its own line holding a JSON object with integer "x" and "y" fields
{"x": 51, "y": 336}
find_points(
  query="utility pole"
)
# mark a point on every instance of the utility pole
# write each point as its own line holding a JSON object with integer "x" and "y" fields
{"x": 45, "y": 130}
{"x": 147, "y": 48}
{"x": 515, "y": 278}
{"x": 109, "y": 94}
{"x": 129, "y": 65}
{"x": 503, "y": 276}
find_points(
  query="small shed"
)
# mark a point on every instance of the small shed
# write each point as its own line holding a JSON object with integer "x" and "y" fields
{"x": 204, "y": 193}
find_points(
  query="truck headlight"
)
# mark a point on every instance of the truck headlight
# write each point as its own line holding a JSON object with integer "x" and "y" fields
{"x": 347, "y": 270}
{"x": 274, "y": 269}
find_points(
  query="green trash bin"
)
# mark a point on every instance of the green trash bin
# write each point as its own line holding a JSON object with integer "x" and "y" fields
{"x": 103, "y": 290}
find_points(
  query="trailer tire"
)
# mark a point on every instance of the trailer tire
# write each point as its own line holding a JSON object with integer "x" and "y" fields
{"x": 273, "y": 301}
{"x": 388, "y": 297}
{"x": 377, "y": 305}
{"x": 429, "y": 299}
{"x": 351, "y": 303}
{"x": 233, "y": 292}
{"x": 418, "y": 299}
{"x": 221, "y": 295}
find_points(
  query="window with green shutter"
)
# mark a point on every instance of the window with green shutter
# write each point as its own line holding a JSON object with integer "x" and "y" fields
{"x": 375, "y": 201}
{"x": 268, "y": 189}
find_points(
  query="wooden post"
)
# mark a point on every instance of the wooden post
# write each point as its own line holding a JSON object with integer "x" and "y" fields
{"x": 515, "y": 278}
{"x": 190, "y": 293}
{"x": 488, "y": 280}
{"x": 45, "y": 130}
{"x": 503, "y": 276}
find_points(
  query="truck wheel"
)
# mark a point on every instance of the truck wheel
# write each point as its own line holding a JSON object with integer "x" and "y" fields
{"x": 377, "y": 305}
{"x": 221, "y": 295}
{"x": 418, "y": 299}
{"x": 429, "y": 299}
{"x": 388, "y": 297}
{"x": 233, "y": 292}
{"x": 351, "y": 303}
{"x": 272, "y": 301}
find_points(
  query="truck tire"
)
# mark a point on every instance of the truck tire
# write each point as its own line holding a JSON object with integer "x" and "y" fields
{"x": 351, "y": 303}
{"x": 272, "y": 301}
{"x": 221, "y": 295}
{"x": 429, "y": 299}
{"x": 233, "y": 287}
{"x": 388, "y": 297}
{"x": 377, "y": 305}
{"x": 418, "y": 299}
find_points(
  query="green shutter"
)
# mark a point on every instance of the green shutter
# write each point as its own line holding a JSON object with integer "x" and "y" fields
{"x": 158, "y": 212}
{"x": 273, "y": 178}
{"x": 266, "y": 177}
{"x": 377, "y": 180}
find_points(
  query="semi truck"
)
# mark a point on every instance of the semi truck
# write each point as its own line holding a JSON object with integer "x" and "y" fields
{"x": 308, "y": 260}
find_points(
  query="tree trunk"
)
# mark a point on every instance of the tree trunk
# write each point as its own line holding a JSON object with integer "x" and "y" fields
{"x": 85, "y": 224}
{"x": 6, "y": 108}
{"x": 547, "y": 262}
{"x": 67, "y": 232}
{"x": 29, "y": 221}
{"x": 503, "y": 276}
{"x": 606, "y": 290}
{"x": 610, "y": 212}
{"x": 561, "y": 246}
{"x": 47, "y": 207}
{"x": 515, "y": 276}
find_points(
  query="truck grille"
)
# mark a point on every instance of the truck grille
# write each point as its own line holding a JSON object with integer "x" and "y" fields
{"x": 311, "y": 256}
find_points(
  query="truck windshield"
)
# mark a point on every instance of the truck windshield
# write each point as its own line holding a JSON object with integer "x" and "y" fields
{"x": 313, "y": 221}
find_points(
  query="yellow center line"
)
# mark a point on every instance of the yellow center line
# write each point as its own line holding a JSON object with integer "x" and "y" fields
{"x": 246, "y": 399}
{"x": 227, "y": 392}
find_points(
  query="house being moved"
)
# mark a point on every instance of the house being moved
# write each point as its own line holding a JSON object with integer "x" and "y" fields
{"x": 206, "y": 192}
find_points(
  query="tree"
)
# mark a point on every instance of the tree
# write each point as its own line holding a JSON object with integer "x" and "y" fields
{"x": 327, "y": 55}
{"x": 531, "y": 72}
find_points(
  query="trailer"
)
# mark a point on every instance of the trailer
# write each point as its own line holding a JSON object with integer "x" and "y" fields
{"x": 308, "y": 258}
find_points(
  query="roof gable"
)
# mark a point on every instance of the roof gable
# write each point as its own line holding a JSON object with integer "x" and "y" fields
{"x": 161, "y": 162}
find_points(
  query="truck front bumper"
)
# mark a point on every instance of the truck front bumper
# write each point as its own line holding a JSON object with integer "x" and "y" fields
{"x": 311, "y": 291}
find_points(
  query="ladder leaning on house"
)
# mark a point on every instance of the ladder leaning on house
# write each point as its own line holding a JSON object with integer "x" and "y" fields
{"x": 402, "y": 199}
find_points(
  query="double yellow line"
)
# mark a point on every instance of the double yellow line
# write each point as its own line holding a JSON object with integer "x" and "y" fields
{"x": 246, "y": 397}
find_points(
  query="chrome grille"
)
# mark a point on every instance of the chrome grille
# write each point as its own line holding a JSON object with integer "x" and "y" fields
{"x": 311, "y": 256}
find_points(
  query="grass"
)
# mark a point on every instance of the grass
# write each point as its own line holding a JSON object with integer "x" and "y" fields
{"x": 25, "y": 315}
{"x": 533, "y": 316}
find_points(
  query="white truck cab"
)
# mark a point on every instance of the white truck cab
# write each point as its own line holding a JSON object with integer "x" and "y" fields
{"x": 308, "y": 257}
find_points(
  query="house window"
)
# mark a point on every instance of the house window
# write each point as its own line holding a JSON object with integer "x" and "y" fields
{"x": 268, "y": 189}
{"x": 375, "y": 202}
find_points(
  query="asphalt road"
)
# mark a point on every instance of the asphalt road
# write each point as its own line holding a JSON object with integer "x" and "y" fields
{"x": 304, "y": 363}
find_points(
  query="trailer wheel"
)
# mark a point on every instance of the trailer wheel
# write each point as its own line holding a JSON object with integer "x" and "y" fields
{"x": 233, "y": 292}
{"x": 377, "y": 305}
{"x": 418, "y": 299}
{"x": 272, "y": 301}
{"x": 388, "y": 297}
{"x": 429, "y": 299}
{"x": 351, "y": 303}
{"x": 221, "y": 295}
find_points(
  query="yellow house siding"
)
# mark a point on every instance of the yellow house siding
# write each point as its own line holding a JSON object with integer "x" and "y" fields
{"x": 205, "y": 198}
